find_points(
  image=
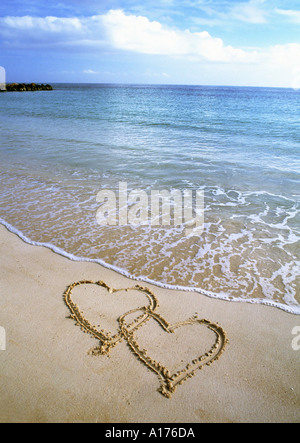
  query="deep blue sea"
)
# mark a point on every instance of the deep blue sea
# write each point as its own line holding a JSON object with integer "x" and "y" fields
{"x": 240, "y": 146}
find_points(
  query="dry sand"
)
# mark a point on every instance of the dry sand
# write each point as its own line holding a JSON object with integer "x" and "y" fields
{"x": 48, "y": 374}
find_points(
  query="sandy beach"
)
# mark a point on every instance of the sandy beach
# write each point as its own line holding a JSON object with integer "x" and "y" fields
{"x": 49, "y": 374}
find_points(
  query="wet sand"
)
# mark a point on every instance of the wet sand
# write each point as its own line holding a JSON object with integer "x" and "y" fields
{"x": 51, "y": 371}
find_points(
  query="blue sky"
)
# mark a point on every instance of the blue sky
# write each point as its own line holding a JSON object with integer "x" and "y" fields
{"x": 217, "y": 42}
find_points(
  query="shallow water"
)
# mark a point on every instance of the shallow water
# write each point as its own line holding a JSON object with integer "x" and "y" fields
{"x": 239, "y": 145}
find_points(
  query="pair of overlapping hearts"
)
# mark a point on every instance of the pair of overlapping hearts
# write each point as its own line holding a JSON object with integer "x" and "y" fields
{"x": 130, "y": 323}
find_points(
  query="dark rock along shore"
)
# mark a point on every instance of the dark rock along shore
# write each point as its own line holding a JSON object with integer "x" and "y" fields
{"x": 22, "y": 87}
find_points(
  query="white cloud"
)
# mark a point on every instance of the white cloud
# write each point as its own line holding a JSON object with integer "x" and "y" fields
{"x": 291, "y": 14}
{"x": 39, "y": 32}
{"x": 120, "y": 31}
{"x": 138, "y": 34}
{"x": 285, "y": 55}
{"x": 279, "y": 65}
{"x": 47, "y": 24}
{"x": 116, "y": 30}
{"x": 251, "y": 12}
{"x": 90, "y": 71}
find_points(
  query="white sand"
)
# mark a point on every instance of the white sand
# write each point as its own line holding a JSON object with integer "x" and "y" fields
{"x": 47, "y": 374}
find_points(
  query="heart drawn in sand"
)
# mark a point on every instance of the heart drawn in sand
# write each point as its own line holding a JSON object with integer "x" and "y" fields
{"x": 169, "y": 381}
{"x": 199, "y": 342}
{"x": 126, "y": 298}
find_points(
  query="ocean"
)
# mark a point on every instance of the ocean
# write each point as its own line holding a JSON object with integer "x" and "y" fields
{"x": 239, "y": 146}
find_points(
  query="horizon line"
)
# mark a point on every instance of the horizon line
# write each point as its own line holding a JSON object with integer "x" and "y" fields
{"x": 158, "y": 84}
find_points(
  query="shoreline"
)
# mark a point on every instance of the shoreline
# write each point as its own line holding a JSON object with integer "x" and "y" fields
{"x": 48, "y": 374}
{"x": 286, "y": 308}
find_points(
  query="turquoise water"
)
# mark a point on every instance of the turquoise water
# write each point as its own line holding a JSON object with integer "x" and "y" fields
{"x": 240, "y": 146}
